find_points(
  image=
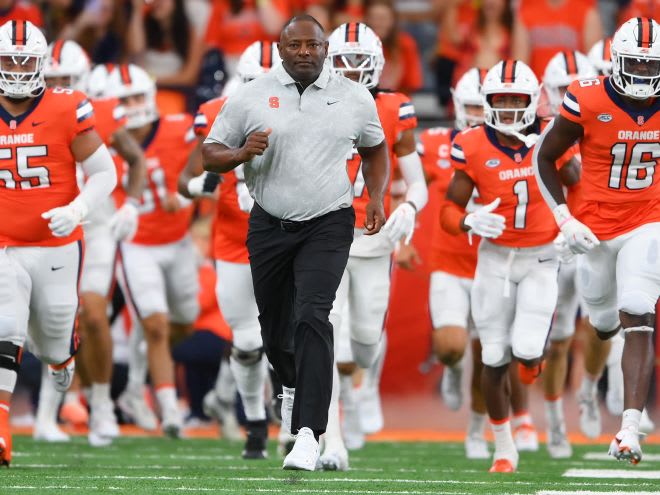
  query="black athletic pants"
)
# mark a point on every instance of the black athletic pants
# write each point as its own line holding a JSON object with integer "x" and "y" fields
{"x": 296, "y": 270}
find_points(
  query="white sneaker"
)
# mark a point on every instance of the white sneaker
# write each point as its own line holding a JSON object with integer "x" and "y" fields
{"x": 352, "y": 430}
{"x": 172, "y": 422}
{"x": 625, "y": 447}
{"x": 370, "y": 411}
{"x": 223, "y": 412}
{"x": 136, "y": 407}
{"x": 476, "y": 447}
{"x": 103, "y": 426}
{"x": 49, "y": 432}
{"x": 63, "y": 377}
{"x": 558, "y": 445}
{"x": 305, "y": 452}
{"x": 526, "y": 438}
{"x": 590, "y": 424}
{"x": 646, "y": 425}
{"x": 451, "y": 387}
{"x": 288, "y": 395}
{"x": 334, "y": 460}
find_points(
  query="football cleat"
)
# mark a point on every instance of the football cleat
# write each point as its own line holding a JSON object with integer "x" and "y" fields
{"x": 102, "y": 425}
{"x": 63, "y": 374}
{"x": 625, "y": 447}
{"x": 74, "y": 413}
{"x": 257, "y": 440}
{"x": 49, "y": 432}
{"x": 558, "y": 445}
{"x": 334, "y": 460}
{"x": 305, "y": 452}
{"x": 529, "y": 375}
{"x": 646, "y": 425}
{"x": 135, "y": 406}
{"x": 172, "y": 422}
{"x": 590, "y": 424}
{"x": 5, "y": 438}
{"x": 476, "y": 447}
{"x": 452, "y": 392}
{"x": 526, "y": 438}
{"x": 224, "y": 413}
{"x": 352, "y": 429}
{"x": 502, "y": 466}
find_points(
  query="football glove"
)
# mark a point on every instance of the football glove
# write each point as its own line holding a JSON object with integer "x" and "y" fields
{"x": 483, "y": 222}
{"x": 124, "y": 222}
{"x": 204, "y": 184}
{"x": 579, "y": 237}
{"x": 64, "y": 219}
{"x": 563, "y": 249}
{"x": 401, "y": 223}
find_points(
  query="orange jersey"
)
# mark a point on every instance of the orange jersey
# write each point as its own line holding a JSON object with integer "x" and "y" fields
{"x": 210, "y": 318}
{"x": 620, "y": 152}
{"x": 109, "y": 118}
{"x": 450, "y": 253}
{"x": 553, "y": 29}
{"x": 166, "y": 149}
{"x": 506, "y": 173}
{"x": 230, "y": 224}
{"x": 397, "y": 114}
{"x": 37, "y": 167}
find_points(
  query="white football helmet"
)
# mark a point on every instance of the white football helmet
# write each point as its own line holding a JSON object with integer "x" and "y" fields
{"x": 97, "y": 81}
{"x": 355, "y": 48}
{"x": 600, "y": 56}
{"x": 22, "y": 44}
{"x": 636, "y": 58}
{"x": 468, "y": 92}
{"x": 130, "y": 80}
{"x": 67, "y": 58}
{"x": 510, "y": 77}
{"x": 564, "y": 68}
{"x": 257, "y": 59}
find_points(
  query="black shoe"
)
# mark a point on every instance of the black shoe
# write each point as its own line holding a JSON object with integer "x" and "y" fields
{"x": 257, "y": 440}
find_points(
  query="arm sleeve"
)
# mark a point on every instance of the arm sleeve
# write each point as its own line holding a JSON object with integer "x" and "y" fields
{"x": 101, "y": 178}
{"x": 229, "y": 126}
{"x": 371, "y": 132}
{"x": 413, "y": 175}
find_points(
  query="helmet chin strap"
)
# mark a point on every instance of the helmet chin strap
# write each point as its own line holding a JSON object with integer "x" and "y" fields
{"x": 528, "y": 140}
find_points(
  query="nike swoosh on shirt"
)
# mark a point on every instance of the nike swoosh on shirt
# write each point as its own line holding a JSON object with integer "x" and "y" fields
{"x": 332, "y": 102}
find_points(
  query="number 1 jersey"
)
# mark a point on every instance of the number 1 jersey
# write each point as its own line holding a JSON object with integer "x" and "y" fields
{"x": 37, "y": 167}
{"x": 620, "y": 151}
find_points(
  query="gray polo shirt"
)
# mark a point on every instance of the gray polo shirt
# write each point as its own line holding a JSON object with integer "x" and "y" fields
{"x": 302, "y": 174}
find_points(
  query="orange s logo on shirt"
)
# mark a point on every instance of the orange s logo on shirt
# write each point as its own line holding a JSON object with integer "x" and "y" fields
{"x": 274, "y": 102}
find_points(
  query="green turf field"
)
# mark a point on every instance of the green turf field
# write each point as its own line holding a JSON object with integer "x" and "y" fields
{"x": 153, "y": 465}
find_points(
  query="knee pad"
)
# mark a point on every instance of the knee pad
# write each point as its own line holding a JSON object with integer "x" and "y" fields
{"x": 495, "y": 354}
{"x": 247, "y": 338}
{"x": 364, "y": 354}
{"x": 247, "y": 358}
{"x": 10, "y": 362}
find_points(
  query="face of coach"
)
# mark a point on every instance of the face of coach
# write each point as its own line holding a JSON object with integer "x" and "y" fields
{"x": 303, "y": 50}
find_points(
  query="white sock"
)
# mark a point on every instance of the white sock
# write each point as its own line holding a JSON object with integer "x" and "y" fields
{"x": 504, "y": 445}
{"x": 630, "y": 420}
{"x": 347, "y": 393}
{"x": 250, "y": 382}
{"x": 49, "y": 399}
{"x": 137, "y": 361}
{"x": 100, "y": 395}
{"x": 521, "y": 419}
{"x": 476, "y": 424}
{"x": 589, "y": 386}
{"x": 554, "y": 413}
{"x": 332, "y": 435}
{"x": 225, "y": 385}
{"x": 72, "y": 396}
{"x": 373, "y": 373}
{"x": 166, "y": 396}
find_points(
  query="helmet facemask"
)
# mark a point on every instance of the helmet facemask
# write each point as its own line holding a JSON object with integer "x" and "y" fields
{"x": 21, "y": 74}
{"x": 510, "y": 119}
{"x": 139, "y": 108}
{"x": 636, "y": 77}
{"x": 359, "y": 66}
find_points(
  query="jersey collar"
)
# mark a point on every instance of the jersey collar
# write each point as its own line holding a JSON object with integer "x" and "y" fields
{"x": 285, "y": 78}
{"x": 7, "y": 117}
{"x": 152, "y": 134}
{"x": 510, "y": 152}
{"x": 635, "y": 114}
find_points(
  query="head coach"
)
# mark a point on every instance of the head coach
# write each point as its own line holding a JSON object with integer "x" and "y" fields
{"x": 294, "y": 129}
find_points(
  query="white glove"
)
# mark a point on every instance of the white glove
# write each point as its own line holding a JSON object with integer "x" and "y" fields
{"x": 401, "y": 223}
{"x": 579, "y": 237}
{"x": 245, "y": 201}
{"x": 483, "y": 222}
{"x": 64, "y": 219}
{"x": 204, "y": 184}
{"x": 563, "y": 249}
{"x": 124, "y": 222}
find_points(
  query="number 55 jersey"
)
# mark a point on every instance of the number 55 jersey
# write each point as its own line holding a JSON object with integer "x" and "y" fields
{"x": 620, "y": 151}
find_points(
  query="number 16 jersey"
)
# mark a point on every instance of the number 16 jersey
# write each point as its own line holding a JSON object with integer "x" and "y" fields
{"x": 620, "y": 151}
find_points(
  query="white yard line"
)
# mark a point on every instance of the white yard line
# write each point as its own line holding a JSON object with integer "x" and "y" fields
{"x": 631, "y": 473}
{"x": 591, "y": 492}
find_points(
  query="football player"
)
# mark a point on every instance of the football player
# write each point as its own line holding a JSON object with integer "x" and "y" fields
{"x": 600, "y": 56}
{"x": 615, "y": 225}
{"x": 67, "y": 66}
{"x": 453, "y": 262}
{"x": 356, "y": 52}
{"x": 515, "y": 287}
{"x": 234, "y": 286}
{"x": 564, "y": 68}
{"x": 159, "y": 267}
{"x": 43, "y": 133}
